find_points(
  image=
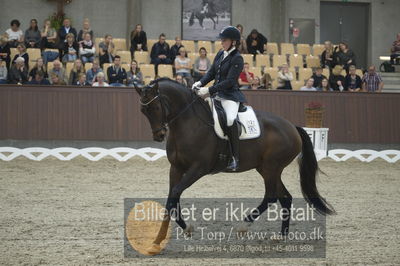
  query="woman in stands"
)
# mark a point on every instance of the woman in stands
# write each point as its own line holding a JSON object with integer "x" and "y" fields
{"x": 22, "y": 53}
{"x": 243, "y": 46}
{"x": 226, "y": 69}
{"x": 183, "y": 66}
{"x": 201, "y": 64}
{"x": 328, "y": 57}
{"x": 86, "y": 49}
{"x": 86, "y": 29}
{"x": 336, "y": 80}
{"x": 138, "y": 40}
{"x": 39, "y": 66}
{"x": 15, "y": 34}
{"x": 32, "y": 35}
{"x": 5, "y": 51}
{"x": 106, "y": 50}
{"x": 346, "y": 57}
{"x": 71, "y": 49}
{"x": 134, "y": 75}
{"x": 285, "y": 78}
{"x": 76, "y": 71}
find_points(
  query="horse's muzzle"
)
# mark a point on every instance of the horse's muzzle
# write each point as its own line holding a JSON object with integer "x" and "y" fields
{"x": 159, "y": 136}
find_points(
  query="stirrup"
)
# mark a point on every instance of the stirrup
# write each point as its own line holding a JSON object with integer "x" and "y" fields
{"x": 233, "y": 165}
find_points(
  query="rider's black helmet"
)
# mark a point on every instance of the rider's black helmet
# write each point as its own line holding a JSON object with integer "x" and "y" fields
{"x": 230, "y": 32}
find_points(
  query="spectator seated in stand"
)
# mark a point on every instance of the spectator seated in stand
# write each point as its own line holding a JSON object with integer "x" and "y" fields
{"x": 62, "y": 33}
{"x": 91, "y": 73}
{"x": 3, "y": 72}
{"x": 372, "y": 81}
{"x": 59, "y": 71}
{"x": 138, "y": 40}
{"x": 32, "y": 35}
{"x": 352, "y": 81}
{"x": 39, "y": 66}
{"x": 395, "y": 51}
{"x": 179, "y": 78}
{"x": 82, "y": 80}
{"x": 22, "y": 53}
{"x": 18, "y": 72}
{"x": 87, "y": 49}
{"x": 116, "y": 73}
{"x": 246, "y": 77}
{"x": 49, "y": 38}
{"x": 345, "y": 56}
{"x": 183, "y": 66}
{"x": 56, "y": 80}
{"x": 5, "y": 51}
{"x": 160, "y": 53}
{"x": 318, "y": 77}
{"x": 243, "y": 45}
{"x": 328, "y": 57}
{"x": 14, "y": 34}
{"x": 336, "y": 80}
{"x": 309, "y": 85}
{"x": 39, "y": 79}
{"x": 134, "y": 75}
{"x": 255, "y": 42}
{"x": 201, "y": 64}
{"x": 77, "y": 69}
{"x": 174, "y": 52}
{"x": 100, "y": 77}
{"x": 85, "y": 29}
{"x": 325, "y": 86}
{"x": 285, "y": 78}
{"x": 256, "y": 84}
{"x": 70, "y": 50}
{"x": 266, "y": 81}
{"x": 106, "y": 50}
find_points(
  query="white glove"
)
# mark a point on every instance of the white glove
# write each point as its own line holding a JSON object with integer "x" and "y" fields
{"x": 196, "y": 85}
{"x": 203, "y": 91}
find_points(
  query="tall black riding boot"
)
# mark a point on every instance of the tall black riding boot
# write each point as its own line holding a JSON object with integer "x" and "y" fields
{"x": 233, "y": 135}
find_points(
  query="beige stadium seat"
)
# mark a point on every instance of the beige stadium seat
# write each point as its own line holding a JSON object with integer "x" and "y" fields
{"x": 248, "y": 58}
{"x": 192, "y": 57}
{"x": 272, "y": 48}
{"x": 105, "y": 67}
{"x": 275, "y": 84}
{"x": 296, "y": 61}
{"x": 304, "y": 74}
{"x": 293, "y": 71}
{"x": 189, "y": 46}
{"x": 34, "y": 54}
{"x": 127, "y": 67}
{"x": 88, "y": 66}
{"x": 165, "y": 71}
{"x": 318, "y": 49}
{"x": 13, "y": 52}
{"x": 278, "y": 60}
{"x": 97, "y": 41}
{"x": 344, "y": 74}
{"x": 211, "y": 56}
{"x": 68, "y": 68}
{"x": 263, "y": 60}
{"x": 50, "y": 66}
{"x": 205, "y": 44}
{"x": 326, "y": 73}
{"x": 313, "y": 61}
{"x": 150, "y": 43}
{"x": 147, "y": 80}
{"x": 303, "y": 49}
{"x": 360, "y": 73}
{"x": 256, "y": 71}
{"x": 120, "y": 44}
{"x": 148, "y": 71}
{"x": 287, "y": 48}
{"x": 142, "y": 57}
{"x": 297, "y": 84}
{"x": 272, "y": 71}
{"x": 170, "y": 42}
{"x": 217, "y": 46}
{"x": 125, "y": 56}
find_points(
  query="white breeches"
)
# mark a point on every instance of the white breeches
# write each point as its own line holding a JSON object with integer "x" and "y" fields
{"x": 231, "y": 109}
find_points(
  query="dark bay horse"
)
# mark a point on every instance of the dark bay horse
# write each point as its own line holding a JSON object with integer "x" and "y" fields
{"x": 201, "y": 16}
{"x": 192, "y": 150}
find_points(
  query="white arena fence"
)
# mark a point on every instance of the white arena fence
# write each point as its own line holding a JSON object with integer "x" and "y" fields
{"x": 151, "y": 154}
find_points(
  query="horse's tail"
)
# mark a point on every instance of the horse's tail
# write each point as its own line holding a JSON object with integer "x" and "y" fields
{"x": 308, "y": 171}
{"x": 191, "y": 20}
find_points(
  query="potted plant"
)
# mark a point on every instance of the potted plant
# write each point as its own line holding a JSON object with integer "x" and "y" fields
{"x": 314, "y": 112}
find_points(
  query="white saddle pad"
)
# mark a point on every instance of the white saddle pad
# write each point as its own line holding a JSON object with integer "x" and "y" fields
{"x": 250, "y": 128}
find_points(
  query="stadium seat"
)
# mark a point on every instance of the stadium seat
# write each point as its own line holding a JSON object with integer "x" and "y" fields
{"x": 318, "y": 49}
{"x": 272, "y": 48}
{"x": 278, "y": 60}
{"x": 287, "y": 48}
{"x": 211, "y": 56}
{"x": 189, "y": 46}
{"x": 205, "y": 44}
{"x": 256, "y": 71}
{"x": 150, "y": 43}
{"x": 248, "y": 58}
{"x": 297, "y": 84}
{"x": 120, "y": 44}
{"x": 360, "y": 73}
{"x": 275, "y": 84}
{"x": 343, "y": 73}
{"x": 312, "y": 61}
{"x": 125, "y": 56}
{"x": 217, "y": 46}
{"x": 326, "y": 72}
{"x": 142, "y": 57}
{"x": 165, "y": 71}
{"x": 263, "y": 60}
{"x": 88, "y": 66}
{"x": 127, "y": 67}
{"x": 148, "y": 71}
{"x": 34, "y": 54}
{"x": 272, "y": 71}
{"x": 192, "y": 57}
{"x": 105, "y": 67}
{"x": 68, "y": 69}
{"x": 13, "y": 51}
{"x": 296, "y": 61}
{"x": 50, "y": 66}
{"x": 303, "y": 49}
{"x": 304, "y": 74}
{"x": 170, "y": 42}
{"x": 147, "y": 80}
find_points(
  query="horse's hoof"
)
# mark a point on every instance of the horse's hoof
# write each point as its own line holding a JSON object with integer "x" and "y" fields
{"x": 188, "y": 231}
{"x": 154, "y": 249}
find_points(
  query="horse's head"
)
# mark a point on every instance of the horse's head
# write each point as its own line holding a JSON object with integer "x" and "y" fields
{"x": 152, "y": 107}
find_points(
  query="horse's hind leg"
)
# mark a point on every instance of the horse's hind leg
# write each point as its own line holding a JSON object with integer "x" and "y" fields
{"x": 285, "y": 200}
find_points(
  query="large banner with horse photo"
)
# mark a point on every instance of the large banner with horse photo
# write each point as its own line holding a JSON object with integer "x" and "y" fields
{"x": 203, "y": 20}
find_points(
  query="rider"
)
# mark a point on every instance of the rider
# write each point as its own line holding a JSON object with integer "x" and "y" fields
{"x": 226, "y": 69}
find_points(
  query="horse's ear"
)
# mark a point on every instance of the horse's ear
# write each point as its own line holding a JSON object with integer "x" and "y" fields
{"x": 139, "y": 89}
{"x": 154, "y": 86}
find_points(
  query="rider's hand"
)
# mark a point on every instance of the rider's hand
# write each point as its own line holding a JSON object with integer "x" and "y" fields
{"x": 196, "y": 85}
{"x": 203, "y": 91}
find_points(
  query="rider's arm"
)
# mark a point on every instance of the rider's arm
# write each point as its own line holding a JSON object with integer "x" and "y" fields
{"x": 232, "y": 78}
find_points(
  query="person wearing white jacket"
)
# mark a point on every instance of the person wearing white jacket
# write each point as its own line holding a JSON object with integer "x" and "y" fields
{"x": 87, "y": 49}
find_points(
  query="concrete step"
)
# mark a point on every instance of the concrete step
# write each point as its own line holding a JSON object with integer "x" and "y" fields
{"x": 391, "y": 88}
